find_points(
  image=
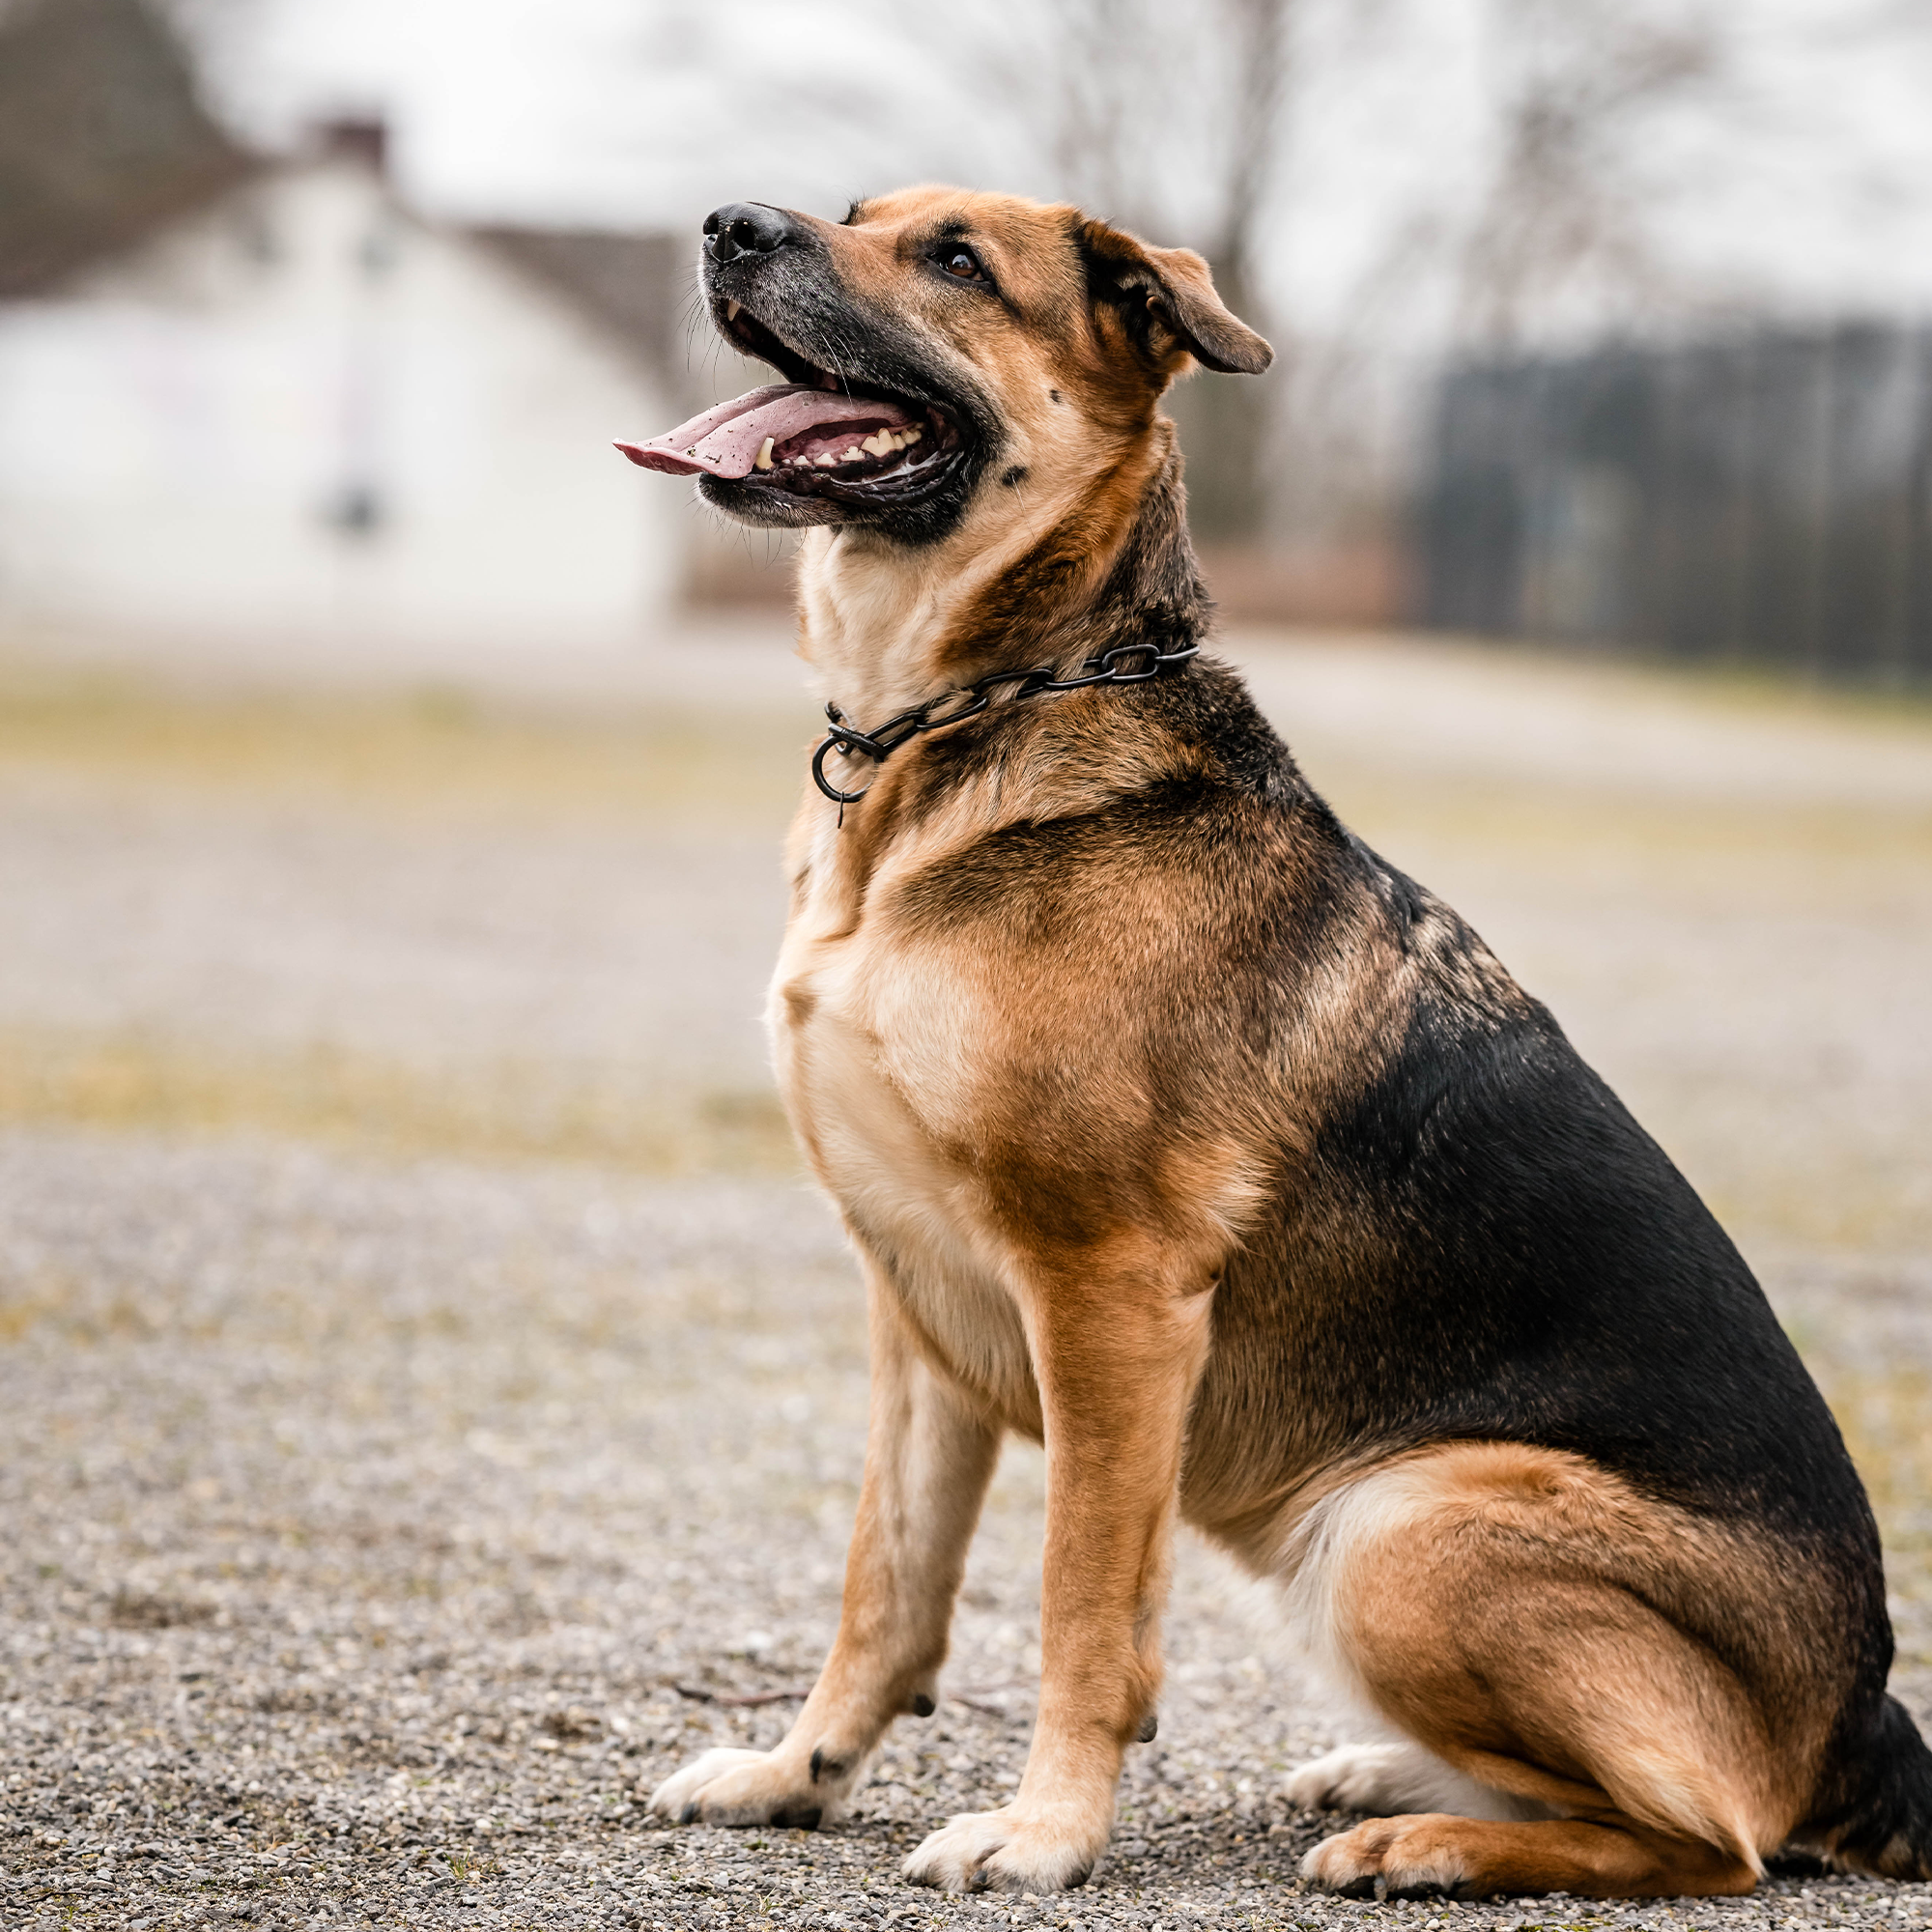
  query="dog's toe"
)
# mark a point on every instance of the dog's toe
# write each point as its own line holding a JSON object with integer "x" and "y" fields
{"x": 1352, "y": 1778}
{"x": 1008, "y": 1850}
{"x": 1387, "y": 1858}
{"x": 744, "y": 1787}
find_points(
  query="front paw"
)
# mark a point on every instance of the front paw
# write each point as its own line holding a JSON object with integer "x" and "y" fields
{"x": 746, "y": 1787}
{"x": 1014, "y": 1849}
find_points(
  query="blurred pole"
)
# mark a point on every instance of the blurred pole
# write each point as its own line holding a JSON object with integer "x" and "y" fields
{"x": 1228, "y": 495}
{"x": 1914, "y": 651}
{"x": 1565, "y": 218}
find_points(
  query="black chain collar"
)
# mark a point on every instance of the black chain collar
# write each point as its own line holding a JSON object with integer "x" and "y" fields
{"x": 969, "y": 700}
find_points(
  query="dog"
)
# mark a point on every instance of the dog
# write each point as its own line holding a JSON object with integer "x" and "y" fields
{"x": 1177, "y": 1130}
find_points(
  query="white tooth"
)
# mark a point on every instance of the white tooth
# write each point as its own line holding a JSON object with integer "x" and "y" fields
{"x": 913, "y": 434}
{"x": 733, "y": 310}
{"x": 853, "y": 455}
{"x": 899, "y": 442}
{"x": 799, "y": 462}
{"x": 878, "y": 443}
{"x": 763, "y": 458}
{"x": 828, "y": 461}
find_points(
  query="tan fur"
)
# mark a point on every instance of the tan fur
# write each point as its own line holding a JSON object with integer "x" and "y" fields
{"x": 1046, "y": 1234}
{"x": 1429, "y": 1853}
{"x": 1511, "y": 1610}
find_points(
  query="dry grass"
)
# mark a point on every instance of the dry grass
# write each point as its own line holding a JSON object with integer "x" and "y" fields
{"x": 1818, "y": 851}
{"x": 438, "y": 749}
{"x": 1887, "y": 1419}
{"x": 387, "y": 1109}
{"x": 1659, "y": 928}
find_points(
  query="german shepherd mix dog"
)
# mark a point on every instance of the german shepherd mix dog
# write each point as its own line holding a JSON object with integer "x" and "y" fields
{"x": 1177, "y": 1131}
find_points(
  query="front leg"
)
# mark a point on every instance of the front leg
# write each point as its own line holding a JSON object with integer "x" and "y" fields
{"x": 1117, "y": 1354}
{"x": 929, "y": 1455}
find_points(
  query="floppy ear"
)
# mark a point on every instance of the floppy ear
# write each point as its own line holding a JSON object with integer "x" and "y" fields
{"x": 1166, "y": 299}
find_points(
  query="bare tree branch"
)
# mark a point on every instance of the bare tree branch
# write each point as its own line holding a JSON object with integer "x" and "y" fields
{"x": 1579, "y": 80}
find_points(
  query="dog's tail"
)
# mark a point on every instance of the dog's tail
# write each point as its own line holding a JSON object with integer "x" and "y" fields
{"x": 1883, "y": 1824}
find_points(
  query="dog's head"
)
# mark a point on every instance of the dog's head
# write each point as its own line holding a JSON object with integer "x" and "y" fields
{"x": 937, "y": 348}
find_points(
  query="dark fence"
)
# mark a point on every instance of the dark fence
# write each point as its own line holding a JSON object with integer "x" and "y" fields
{"x": 1759, "y": 500}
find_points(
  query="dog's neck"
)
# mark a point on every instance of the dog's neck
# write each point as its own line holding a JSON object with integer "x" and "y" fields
{"x": 886, "y": 627}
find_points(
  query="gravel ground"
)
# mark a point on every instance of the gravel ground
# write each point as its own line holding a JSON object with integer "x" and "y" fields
{"x": 379, "y": 1537}
{"x": 387, "y": 1511}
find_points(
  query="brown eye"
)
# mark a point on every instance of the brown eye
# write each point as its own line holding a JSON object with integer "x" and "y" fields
{"x": 962, "y": 263}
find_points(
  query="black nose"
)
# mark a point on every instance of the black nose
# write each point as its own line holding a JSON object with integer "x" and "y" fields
{"x": 745, "y": 228}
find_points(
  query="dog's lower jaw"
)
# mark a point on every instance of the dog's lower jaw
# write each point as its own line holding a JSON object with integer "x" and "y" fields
{"x": 1030, "y": 1845}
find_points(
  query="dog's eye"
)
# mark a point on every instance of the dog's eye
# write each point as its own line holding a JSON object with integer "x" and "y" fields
{"x": 962, "y": 264}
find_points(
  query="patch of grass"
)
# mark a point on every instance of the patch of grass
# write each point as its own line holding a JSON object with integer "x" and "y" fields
{"x": 1733, "y": 687}
{"x": 1886, "y": 1420}
{"x": 1534, "y": 864}
{"x": 148, "y": 1611}
{"x": 1869, "y": 1198}
{"x": 1801, "y": 848}
{"x": 365, "y": 1104}
{"x": 436, "y": 749}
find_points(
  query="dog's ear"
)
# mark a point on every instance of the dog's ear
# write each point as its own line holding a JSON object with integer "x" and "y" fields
{"x": 1166, "y": 299}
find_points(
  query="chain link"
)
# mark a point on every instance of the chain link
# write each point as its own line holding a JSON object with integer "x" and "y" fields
{"x": 952, "y": 707}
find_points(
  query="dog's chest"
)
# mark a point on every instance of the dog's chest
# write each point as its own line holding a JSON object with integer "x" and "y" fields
{"x": 877, "y": 1048}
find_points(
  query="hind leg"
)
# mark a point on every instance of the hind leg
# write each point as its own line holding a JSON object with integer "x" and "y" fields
{"x": 1424, "y": 1855}
{"x": 1498, "y": 1605}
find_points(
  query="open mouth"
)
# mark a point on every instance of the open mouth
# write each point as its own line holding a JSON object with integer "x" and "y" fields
{"x": 813, "y": 435}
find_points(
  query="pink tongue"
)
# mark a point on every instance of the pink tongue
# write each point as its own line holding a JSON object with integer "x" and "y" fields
{"x": 725, "y": 442}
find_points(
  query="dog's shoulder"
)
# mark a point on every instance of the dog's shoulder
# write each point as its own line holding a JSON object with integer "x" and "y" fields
{"x": 1178, "y": 787}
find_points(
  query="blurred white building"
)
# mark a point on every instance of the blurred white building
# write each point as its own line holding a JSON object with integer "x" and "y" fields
{"x": 275, "y": 404}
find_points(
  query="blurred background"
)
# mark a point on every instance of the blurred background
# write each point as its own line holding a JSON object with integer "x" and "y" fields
{"x": 1601, "y": 321}
{"x": 418, "y": 1351}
